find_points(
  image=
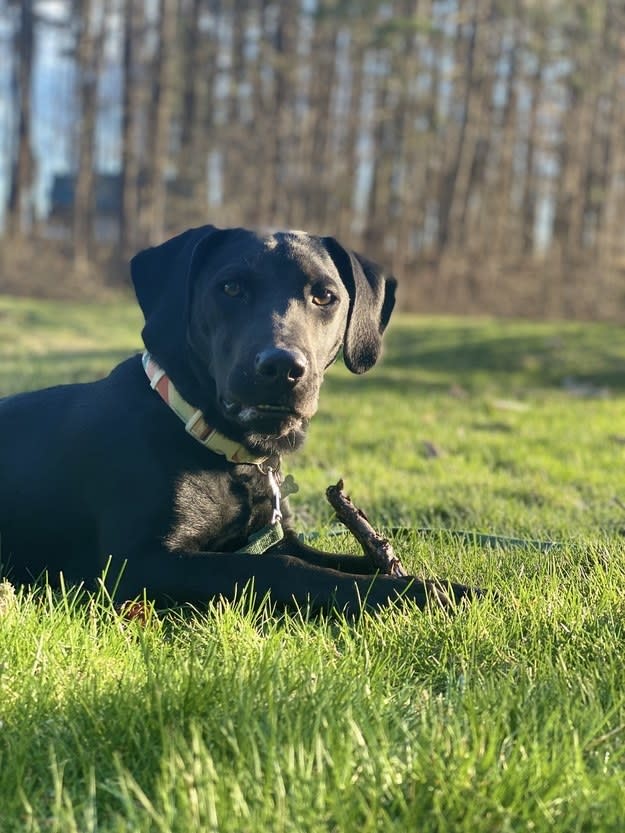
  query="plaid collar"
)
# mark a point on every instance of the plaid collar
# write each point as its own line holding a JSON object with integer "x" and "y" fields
{"x": 193, "y": 419}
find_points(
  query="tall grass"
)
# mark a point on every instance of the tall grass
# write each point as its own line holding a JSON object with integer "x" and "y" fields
{"x": 506, "y": 716}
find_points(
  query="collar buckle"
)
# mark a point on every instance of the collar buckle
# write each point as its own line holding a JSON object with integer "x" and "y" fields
{"x": 193, "y": 419}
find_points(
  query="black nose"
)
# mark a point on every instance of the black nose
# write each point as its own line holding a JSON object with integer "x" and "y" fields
{"x": 277, "y": 365}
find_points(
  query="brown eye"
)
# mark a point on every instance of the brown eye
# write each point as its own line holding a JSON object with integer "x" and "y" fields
{"x": 323, "y": 297}
{"x": 232, "y": 289}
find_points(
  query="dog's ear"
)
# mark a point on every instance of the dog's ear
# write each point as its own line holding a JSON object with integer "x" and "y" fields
{"x": 163, "y": 271}
{"x": 162, "y": 277}
{"x": 371, "y": 302}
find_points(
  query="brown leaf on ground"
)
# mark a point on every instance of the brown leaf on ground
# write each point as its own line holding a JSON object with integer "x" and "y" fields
{"x": 135, "y": 612}
{"x": 430, "y": 450}
{"x": 458, "y": 392}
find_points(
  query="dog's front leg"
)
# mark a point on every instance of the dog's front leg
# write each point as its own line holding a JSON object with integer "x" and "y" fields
{"x": 346, "y": 563}
{"x": 448, "y": 592}
{"x": 286, "y": 580}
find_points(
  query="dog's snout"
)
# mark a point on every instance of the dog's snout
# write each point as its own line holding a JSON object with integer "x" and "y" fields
{"x": 278, "y": 365}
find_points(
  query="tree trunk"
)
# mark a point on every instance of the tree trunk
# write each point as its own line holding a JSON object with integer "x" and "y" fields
{"x": 89, "y": 49}
{"x": 160, "y": 121}
{"x": 131, "y": 103}
{"x": 450, "y": 175}
{"x": 502, "y": 202}
{"x": 20, "y": 204}
{"x": 530, "y": 185}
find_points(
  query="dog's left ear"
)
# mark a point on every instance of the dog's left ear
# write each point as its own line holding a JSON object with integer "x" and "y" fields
{"x": 163, "y": 271}
{"x": 371, "y": 302}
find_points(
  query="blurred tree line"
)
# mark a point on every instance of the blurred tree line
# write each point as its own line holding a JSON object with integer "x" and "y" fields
{"x": 476, "y": 147}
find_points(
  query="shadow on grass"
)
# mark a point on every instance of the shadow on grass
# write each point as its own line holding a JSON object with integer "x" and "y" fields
{"x": 56, "y": 367}
{"x": 435, "y": 357}
{"x": 52, "y": 358}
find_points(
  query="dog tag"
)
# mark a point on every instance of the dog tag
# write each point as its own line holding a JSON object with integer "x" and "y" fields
{"x": 289, "y": 486}
{"x": 276, "y": 516}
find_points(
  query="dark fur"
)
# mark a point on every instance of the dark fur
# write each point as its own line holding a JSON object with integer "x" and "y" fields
{"x": 105, "y": 470}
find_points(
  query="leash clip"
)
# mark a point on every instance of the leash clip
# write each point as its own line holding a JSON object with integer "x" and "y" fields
{"x": 276, "y": 515}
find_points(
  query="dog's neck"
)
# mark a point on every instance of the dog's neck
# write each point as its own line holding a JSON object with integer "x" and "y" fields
{"x": 194, "y": 421}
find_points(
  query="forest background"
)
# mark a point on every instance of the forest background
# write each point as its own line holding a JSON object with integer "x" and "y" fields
{"x": 475, "y": 147}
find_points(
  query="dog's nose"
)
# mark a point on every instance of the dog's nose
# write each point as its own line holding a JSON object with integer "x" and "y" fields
{"x": 277, "y": 365}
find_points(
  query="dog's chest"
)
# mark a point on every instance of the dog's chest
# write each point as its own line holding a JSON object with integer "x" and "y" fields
{"x": 218, "y": 511}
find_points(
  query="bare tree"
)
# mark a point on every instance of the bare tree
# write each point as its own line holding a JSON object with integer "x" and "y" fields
{"x": 90, "y": 23}
{"x": 20, "y": 203}
{"x": 160, "y": 116}
{"x": 132, "y": 16}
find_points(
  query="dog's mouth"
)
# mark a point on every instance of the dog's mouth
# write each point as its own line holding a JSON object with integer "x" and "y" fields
{"x": 272, "y": 427}
{"x": 263, "y": 412}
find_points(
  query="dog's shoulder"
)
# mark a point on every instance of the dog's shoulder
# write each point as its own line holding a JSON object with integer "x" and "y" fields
{"x": 218, "y": 508}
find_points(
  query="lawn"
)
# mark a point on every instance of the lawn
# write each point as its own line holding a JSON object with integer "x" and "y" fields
{"x": 507, "y": 716}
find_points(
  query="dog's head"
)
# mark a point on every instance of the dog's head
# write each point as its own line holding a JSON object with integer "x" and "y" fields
{"x": 245, "y": 324}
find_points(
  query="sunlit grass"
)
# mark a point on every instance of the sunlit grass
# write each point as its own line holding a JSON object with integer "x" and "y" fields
{"x": 51, "y": 342}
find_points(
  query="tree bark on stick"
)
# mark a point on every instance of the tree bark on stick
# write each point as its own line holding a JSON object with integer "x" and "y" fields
{"x": 377, "y": 548}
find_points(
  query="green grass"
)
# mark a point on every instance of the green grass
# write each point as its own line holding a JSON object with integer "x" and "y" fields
{"x": 508, "y": 716}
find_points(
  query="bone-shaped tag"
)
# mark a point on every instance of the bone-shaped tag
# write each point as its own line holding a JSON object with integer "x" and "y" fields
{"x": 288, "y": 486}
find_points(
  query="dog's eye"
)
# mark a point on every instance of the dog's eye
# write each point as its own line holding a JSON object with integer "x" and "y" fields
{"x": 232, "y": 289}
{"x": 322, "y": 297}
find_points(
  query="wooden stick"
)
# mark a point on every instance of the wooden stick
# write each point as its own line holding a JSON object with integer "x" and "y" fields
{"x": 377, "y": 548}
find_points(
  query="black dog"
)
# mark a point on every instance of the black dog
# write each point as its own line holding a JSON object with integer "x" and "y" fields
{"x": 240, "y": 328}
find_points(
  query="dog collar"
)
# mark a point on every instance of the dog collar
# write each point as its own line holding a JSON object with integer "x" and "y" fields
{"x": 234, "y": 452}
{"x": 193, "y": 419}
